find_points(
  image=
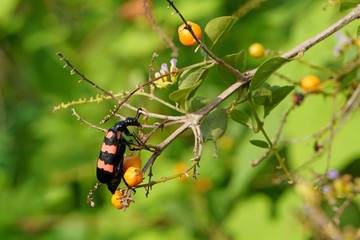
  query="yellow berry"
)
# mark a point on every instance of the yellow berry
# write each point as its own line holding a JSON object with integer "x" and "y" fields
{"x": 257, "y": 50}
{"x": 310, "y": 82}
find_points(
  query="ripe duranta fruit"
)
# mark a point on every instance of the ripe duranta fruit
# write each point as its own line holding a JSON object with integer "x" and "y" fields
{"x": 117, "y": 201}
{"x": 185, "y": 36}
{"x": 310, "y": 82}
{"x": 133, "y": 176}
{"x": 256, "y": 50}
{"x": 131, "y": 161}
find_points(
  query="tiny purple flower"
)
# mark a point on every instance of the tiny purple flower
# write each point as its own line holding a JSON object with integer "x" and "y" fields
{"x": 173, "y": 62}
{"x": 337, "y": 50}
{"x": 333, "y": 174}
{"x": 347, "y": 41}
{"x": 339, "y": 35}
{"x": 164, "y": 68}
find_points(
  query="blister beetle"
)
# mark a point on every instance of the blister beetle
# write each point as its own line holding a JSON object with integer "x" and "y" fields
{"x": 111, "y": 157}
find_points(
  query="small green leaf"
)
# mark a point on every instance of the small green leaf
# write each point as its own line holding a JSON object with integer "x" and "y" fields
{"x": 278, "y": 94}
{"x": 241, "y": 117}
{"x": 237, "y": 61}
{"x": 265, "y": 70}
{"x": 182, "y": 95}
{"x": 262, "y": 93}
{"x": 214, "y": 125}
{"x": 198, "y": 103}
{"x": 346, "y": 4}
{"x": 358, "y": 32}
{"x": 350, "y": 54}
{"x": 190, "y": 77}
{"x": 216, "y": 29}
{"x": 349, "y": 77}
{"x": 189, "y": 81}
{"x": 259, "y": 143}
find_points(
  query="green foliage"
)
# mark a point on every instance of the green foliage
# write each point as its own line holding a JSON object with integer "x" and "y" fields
{"x": 198, "y": 102}
{"x": 241, "y": 117}
{"x": 189, "y": 81}
{"x": 275, "y": 95}
{"x": 237, "y": 61}
{"x": 48, "y": 160}
{"x": 259, "y": 143}
{"x": 214, "y": 125}
{"x": 216, "y": 29}
{"x": 348, "y": 4}
{"x": 264, "y": 72}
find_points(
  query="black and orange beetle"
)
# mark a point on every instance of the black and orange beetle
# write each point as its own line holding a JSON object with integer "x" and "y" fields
{"x": 109, "y": 165}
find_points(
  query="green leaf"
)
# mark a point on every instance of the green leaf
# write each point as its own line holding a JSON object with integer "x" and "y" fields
{"x": 216, "y": 29}
{"x": 184, "y": 94}
{"x": 351, "y": 54}
{"x": 237, "y": 61}
{"x": 358, "y": 32}
{"x": 353, "y": 75}
{"x": 278, "y": 94}
{"x": 259, "y": 143}
{"x": 346, "y": 4}
{"x": 262, "y": 93}
{"x": 190, "y": 77}
{"x": 241, "y": 117}
{"x": 189, "y": 81}
{"x": 265, "y": 70}
{"x": 214, "y": 125}
{"x": 198, "y": 103}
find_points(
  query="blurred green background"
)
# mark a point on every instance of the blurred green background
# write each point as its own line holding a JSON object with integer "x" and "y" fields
{"x": 48, "y": 159}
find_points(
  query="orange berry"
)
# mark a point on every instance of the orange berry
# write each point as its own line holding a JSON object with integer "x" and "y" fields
{"x": 257, "y": 50}
{"x": 310, "y": 82}
{"x": 185, "y": 36}
{"x": 117, "y": 201}
{"x": 133, "y": 176}
{"x": 131, "y": 161}
{"x": 203, "y": 184}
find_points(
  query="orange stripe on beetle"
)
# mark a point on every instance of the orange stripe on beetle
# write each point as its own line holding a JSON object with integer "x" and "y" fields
{"x": 108, "y": 148}
{"x": 109, "y": 134}
{"x": 107, "y": 167}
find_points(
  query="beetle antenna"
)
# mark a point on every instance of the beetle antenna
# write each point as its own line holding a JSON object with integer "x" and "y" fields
{"x": 138, "y": 113}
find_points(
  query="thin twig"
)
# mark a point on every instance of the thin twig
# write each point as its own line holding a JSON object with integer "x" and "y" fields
{"x": 154, "y": 56}
{"x": 74, "y": 70}
{"x": 340, "y": 210}
{"x": 90, "y": 125}
{"x": 221, "y": 62}
{"x": 277, "y": 137}
{"x": 171, "y": 44}
{"x": 132, "y": 93}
